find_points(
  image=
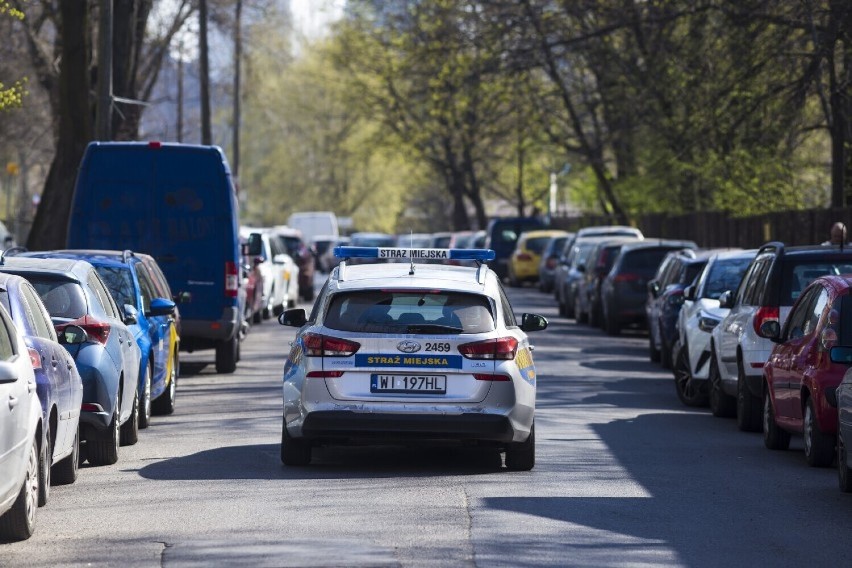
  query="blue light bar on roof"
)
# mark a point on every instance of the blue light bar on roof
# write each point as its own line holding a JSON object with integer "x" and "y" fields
{"x": 482, "y": 255}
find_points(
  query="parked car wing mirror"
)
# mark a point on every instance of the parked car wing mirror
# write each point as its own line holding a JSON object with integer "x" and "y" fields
{"x": 771, "y": 329}
{"x": 726, "y": 300}
{"x": 533, "y": 322}
{"x": 689, "y": 293}
{"x": 827, "y": 339}
{"x": 8, "y": 373}
{"x": 840, "y": 354}
{"x": 131, "y": 314}
{"x": 161, "y": 307}
{"x": 654, "y": 288}
{"x": 296, "y": 317}
{"x": 73, "y": 335}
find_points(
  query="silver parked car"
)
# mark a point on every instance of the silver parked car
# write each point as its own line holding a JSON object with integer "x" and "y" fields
{"x": 404, "y": 350}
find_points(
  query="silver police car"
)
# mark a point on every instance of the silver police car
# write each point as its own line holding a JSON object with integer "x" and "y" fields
{"x": 403, "y": 351}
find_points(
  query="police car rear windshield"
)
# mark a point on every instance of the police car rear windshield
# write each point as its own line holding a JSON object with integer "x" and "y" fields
{"x": 417, "y": 311}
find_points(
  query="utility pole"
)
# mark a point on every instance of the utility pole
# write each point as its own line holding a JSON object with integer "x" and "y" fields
{"x": 103, "y": 118}
{"x": 238, "y": 52}
{"x": 180, "y": 93}
{"x": 204, "y": 70}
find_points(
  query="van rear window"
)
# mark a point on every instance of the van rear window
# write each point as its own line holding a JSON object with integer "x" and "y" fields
{"x": 409, "y": 311}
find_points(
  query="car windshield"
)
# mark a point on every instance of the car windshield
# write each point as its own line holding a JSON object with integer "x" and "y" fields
{"x": 414, "y": 311}
{"x": 119, "y": 282}
{"x": 62, "y": 298}
{"x": 725, "y": 274}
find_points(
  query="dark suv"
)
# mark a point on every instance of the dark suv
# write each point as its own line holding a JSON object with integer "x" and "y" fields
{"x": 624, "y": 290}
{"x": 502, "y": 236}
{"x": 740, "y": 345}
{"x": 665, "y": 298}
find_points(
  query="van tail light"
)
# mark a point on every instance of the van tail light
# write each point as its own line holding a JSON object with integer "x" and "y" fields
{"x": 502, "y": 349}
{"x": 764, "y": 314}
{"x": 96, "y": 330}
{"x": 626, "y": 277}
{"x": 35, "y": 358}
{"x": 318, "y": 345}
{"x": 232, "y": 280}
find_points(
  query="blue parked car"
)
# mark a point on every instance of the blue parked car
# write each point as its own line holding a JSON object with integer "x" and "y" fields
{"x": 132, "y": 281}
{"x": 58, "y": 384}
{"x": 108, "y": 360}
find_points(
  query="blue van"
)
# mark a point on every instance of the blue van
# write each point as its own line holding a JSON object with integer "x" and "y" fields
{"x": 177, "y": 203}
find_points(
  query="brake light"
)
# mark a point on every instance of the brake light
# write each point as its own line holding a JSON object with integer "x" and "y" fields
{"x": 764, "y": 314}
{"x": 491, "y": 377}
{"x": 35, "y": 358}
{"x": 91, "y": 407}
{"x": 155, "y": 144}
{"x": 324, "y": 374}
{"x": 318, "y": 345}
{"x": 524, "y": 256}
{"x": 551, "y": 262}
{"x": 96, "y": 330}
{"x": 502, "y": 349}
{"x": 232, "y": 280}
{"x": 626, "y": 277}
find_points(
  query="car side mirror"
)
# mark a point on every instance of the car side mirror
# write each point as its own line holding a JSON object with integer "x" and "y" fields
{"x": 131, "y": 314}
{"x": 771, "y": 330}
{"x": 296, "y": 317}
{"x": 161, "y": 307}
{"x": 726, "y": 300}
{"x": 72, "y": 335}
{"x": 183, "y": 297}
{"x": 654, "y": 288}
{"x": 533, "y": 322}
{"x": 827, "y": 339}
{"x": 689, "y": 293}
{"x": 841, "y": 355}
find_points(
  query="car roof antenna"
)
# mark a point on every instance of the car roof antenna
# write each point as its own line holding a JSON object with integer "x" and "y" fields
{"x": 411, "y": 252}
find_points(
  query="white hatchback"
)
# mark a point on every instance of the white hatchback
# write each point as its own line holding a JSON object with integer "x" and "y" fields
{"x": 22, "y": 453}
{"x": 406, "y": 351}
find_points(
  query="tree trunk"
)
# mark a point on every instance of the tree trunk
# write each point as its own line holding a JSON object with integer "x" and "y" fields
{"x": 238, "y": 54}
{"x": 75, "y": 128}
{"x": 204, "y": 73}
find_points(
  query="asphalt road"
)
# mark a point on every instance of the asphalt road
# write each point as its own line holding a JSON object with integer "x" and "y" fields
{"x": 625, "y": 476}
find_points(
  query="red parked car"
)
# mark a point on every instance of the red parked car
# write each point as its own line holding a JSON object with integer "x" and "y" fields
{"x": 801, "y": 376}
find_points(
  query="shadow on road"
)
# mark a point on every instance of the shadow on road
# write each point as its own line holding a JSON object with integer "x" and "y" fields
{"x": 263, "y": 462}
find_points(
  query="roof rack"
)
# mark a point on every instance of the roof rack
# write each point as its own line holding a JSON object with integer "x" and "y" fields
{"x": 125, "y": 256}
{"x": 11, "y": 251}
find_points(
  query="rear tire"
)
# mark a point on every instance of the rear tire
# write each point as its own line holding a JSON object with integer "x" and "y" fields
{"x": 165, "y": 403}
{"x": 102, "y": 447}
{"x": 653, "y": 352}
{"x": 294, "y": 452}
{"x": 844, "y": 472}
{"x": 749, "y": 411}
{"x": 819, "y": 446}
{"x": 579, "y": 315}
{"x": 18, "y": 523}
{"x": 130, "y": 429}
{"x": 65, "y": 472}
{"x": 774, "y": 437}
{"x": 227, "y": 354}
{"x": 45, "y": 456}
{"x": 521, "y": 456}
{"x": 145, "y": 403}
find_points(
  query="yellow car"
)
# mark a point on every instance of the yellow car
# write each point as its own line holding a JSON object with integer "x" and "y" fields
{"x": 523, "y": 264}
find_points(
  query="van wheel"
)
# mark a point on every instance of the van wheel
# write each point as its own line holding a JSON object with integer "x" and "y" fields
{"x": 227, "y": 354}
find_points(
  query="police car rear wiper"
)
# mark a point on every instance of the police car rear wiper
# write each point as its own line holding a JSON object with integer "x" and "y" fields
{"x": 432, "y": 328}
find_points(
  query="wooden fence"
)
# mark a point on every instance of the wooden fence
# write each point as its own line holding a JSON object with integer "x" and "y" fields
{"x": 712, "y": 230}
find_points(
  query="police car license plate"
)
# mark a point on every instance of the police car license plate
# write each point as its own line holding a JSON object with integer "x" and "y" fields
{"x": 428, "y": 384}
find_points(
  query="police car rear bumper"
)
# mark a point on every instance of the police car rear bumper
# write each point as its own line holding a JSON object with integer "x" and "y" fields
{"x": 344, "y": 424}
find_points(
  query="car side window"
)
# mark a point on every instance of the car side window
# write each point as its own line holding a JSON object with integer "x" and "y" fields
{"x": 146, "y": 287}
{"x": 7, "y": 338}
{"x": 104, "y": 300}
{"x": 752, "y": 282}
{"x": 800, "y": 314}
{"x": 321, "y": 300}
{"x": 160, "y": 282}
{"x": 816, "y": 312}
{"x": 37, "y": 312}
{"x": 508, "y": 314}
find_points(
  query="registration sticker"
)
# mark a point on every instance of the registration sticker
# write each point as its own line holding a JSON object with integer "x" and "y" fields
{"x": 426, "y": 384}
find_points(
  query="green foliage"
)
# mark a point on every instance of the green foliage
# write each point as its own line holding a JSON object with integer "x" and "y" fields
{"x": 11, "y": 96}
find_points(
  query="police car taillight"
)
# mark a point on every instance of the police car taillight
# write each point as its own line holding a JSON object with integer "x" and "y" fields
{"x": 318, "y": 345}
{"x": 502, "y": 349}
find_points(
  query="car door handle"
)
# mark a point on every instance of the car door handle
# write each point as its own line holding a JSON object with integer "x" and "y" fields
{"x": 532, "y": 348}
{"x": 53, "y": 362}
{"x": 13, "y": 402}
